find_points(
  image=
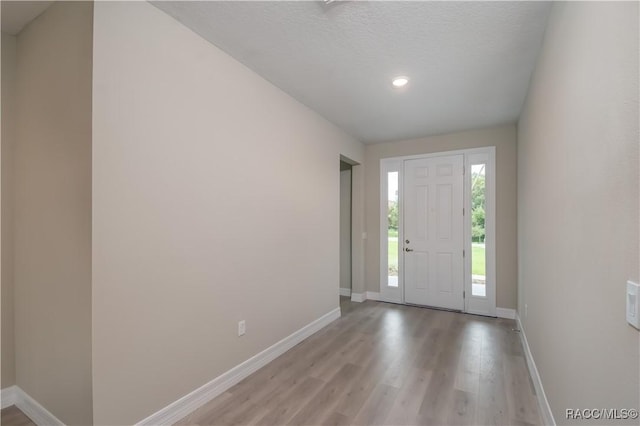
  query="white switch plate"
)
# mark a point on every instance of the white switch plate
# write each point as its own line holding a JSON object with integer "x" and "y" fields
{"x": 242, "y": 328}
{"x": 633, "y": 304}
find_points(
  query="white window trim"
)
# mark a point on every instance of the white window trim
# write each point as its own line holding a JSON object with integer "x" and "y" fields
{"x": 481, "y": 305}
{"x": 388, "y": 293}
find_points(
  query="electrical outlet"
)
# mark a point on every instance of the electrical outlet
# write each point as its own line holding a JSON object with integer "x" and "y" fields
{"x": 633, "y": 304}
{"x": 242, "y": 328}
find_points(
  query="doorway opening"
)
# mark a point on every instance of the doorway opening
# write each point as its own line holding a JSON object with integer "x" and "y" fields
{"x": 345, "y": 229}
{"x": 437, "y": 230}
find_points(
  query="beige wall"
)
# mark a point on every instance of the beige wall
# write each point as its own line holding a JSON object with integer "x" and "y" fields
{"x": 578, "y": 207}
{"x": 8, "y": 140}
{"x": 504, "y": 139}
{"x": 215, "y": 199}
{"x": 53, "y": 211}
{"x": 345, "y": 229}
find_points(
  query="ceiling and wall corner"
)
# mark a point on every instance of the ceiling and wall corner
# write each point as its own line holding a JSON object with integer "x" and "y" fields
{"x": 469, "y": 64}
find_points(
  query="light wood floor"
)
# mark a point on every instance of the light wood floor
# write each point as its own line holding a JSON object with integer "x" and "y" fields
{"x": 388, "y": 364}
{"x": 12, "y": 416}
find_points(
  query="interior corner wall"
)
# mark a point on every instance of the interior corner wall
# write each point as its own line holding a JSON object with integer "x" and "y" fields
{"x": 578, "y": 207}
{"x": 215, "y": 199}
{"x": 53, "y": 211}
{"x": 504, "y": 139}
{"x": 7, "y": 142}
{"x": 345, "y": 229}
{"x": 358, "y": 229}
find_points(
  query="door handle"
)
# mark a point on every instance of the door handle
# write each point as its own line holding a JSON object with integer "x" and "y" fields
{"x": 408, "y": 249}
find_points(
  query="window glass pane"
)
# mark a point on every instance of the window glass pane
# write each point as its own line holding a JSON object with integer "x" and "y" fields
{"x": 392, "y": 228}
{"x": 478, "y": 259}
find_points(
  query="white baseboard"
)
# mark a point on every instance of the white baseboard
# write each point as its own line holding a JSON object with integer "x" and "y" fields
{"x": 367, "y": 295}
{"x": 345, "y": 292}
{"x": 506, "y": 313}
{"x": 8, "y": 396}
{"x": 37, "y": 413}
{"x": 372, "y": 295}
{"x": 194, "y": 400}
{"x": 543, "y": 403}
{"x": 358, "y": 297}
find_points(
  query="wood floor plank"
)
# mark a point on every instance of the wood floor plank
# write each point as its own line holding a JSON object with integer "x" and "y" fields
{"x": 13, "y": 416}
{"x": 291, "y": 402}
{"x": 440, "y": 392}
{"x": 468, "y": 372}
{"x": 409, "y": 399}
{"x": 358, "y": 391}
{"x": 376, "y": 409}
{"x": 256, "y": 405}
{"x": 438, "y": 395}
{"x": 463, "y": 408}
{"x": 492, "y": 407}
{"x": 388, "y": 364}
{"x": 336, "y": 419}
{"x": 400, "y": 370}
{"x": 520, "y": 393}
{"x": 326, "y": 399}
{"x": 428, "y": 353}
{"x": 249, "y": 415}
{"x": 337, "y": 355}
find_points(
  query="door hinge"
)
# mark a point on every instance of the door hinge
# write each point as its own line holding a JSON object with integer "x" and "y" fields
{"x": 464, "y": 294}
{"x": 463, "y": 253}
{"x": 463, "y": 211}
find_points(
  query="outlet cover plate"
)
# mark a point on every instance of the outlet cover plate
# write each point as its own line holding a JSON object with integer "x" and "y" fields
{"x": 633, "y": 304}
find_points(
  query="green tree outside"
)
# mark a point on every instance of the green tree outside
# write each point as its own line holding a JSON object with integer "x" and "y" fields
{"x": 477, "y": 207}
{"x": 393, "y": 215}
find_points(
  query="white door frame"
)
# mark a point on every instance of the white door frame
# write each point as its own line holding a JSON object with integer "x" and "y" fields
{"x": 388, "y": 293}
{"x": 472, "y": 304}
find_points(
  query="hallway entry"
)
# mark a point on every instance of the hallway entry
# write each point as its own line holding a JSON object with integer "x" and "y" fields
{"x": 345, "y": 228}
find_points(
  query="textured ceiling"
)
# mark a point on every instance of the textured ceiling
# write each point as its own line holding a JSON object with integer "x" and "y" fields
{"x": 469, "y": 63}
{"x": 17, "y": 14}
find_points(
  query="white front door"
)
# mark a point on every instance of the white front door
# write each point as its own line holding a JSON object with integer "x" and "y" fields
{"x": 433, "y": 232}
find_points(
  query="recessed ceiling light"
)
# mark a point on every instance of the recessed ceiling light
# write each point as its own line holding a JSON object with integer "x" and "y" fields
{"x": 400, "y": 81}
